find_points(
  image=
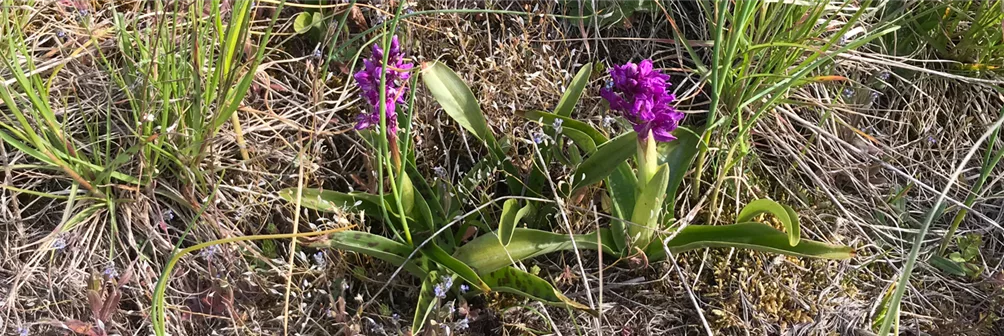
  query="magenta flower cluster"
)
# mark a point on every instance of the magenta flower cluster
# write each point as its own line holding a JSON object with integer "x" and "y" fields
{"x": 639, "y": 93}
{"x": 369, "y": 84}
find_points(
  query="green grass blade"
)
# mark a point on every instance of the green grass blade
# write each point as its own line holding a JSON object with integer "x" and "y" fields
{"x": 574, "y": 92}
{"x": 753, "y": 236}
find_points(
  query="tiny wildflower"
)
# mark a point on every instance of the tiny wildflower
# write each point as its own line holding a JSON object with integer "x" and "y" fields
{"x": 639, "y": 94}
{"x": 319, "y": 259}
{"x": 875, "y": 95}
{"x": 539, "y": 137}
{"x": 463, "y": 324}
{"x": 608, "y": 121}
{"x": 440, "y": 172}
{"x": 60, "y": 34}
{"x": 22, "y": 331}
{"x": 369, "y": 84}
{"x": 59, "y": 243}
{"x": 464, "y": 288}
{"x": 884, "y": 76}
{"x": 439, "y": 291}
{"x": 110, "y": 271}
{"x": 557, "y": 125}
{"x": 168, "y": 215}
{"x": 316, "y": 54}
{"x": 931, "y": 139}
{"x": 149, "y": 117}
{"x": 209, "y": 252}
{"x": 848, "y": 93}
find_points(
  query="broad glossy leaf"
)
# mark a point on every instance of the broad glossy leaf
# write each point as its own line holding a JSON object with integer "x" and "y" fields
{"x": 515, "y": 281}
{"x": 330, "y": 201}
{"x": 457, "y": 100}
{"x": 648, "y": 208}
{"x": 574, "y": 92}
{"x": 302, "y": 22}
{"x": 567, "y": 122}
{"x": 407, "y": 193}
{"x": 679, "y": 155}
{"x": 622, "y": 186}
{"x": 786, "y": 215}
{"x": 486, "y": 254}
{"x": 605, "y": 160}
{"x": 372, "y": 245}
{"x": 507, "y": 222}
{"x": 754, "y": 236}
{"x": 426, "y": 302}
{"x": 436, "y": 253}
{"x": 580, "y": 139}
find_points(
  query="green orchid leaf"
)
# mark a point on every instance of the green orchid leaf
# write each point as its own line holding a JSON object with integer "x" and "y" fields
{"x": 426, "y": 302}
{"x": 331, "y": 201}
{"x": 372, "y": 245}
{"x": 580, "y": 139}
{"x": 679, "y": 154}
{"x": 458, "y": 101}
{"x": 514, "y": 281}
{"x": 622, "y": 185}
{"x": 574, "y": 92}
{"x": 785, "y": 214}
{"x": 407, "y": 193}
{"x": 436, "y": 254}
{"x": 605, "y": 160}
{"x": 426, "y": 191}
{"x": 947, "y": 265}
{"x": 507, "y": 223}
{"x": 648, "y": 208}
{"x": 566, "y": 123}
{"x": 303, "y": 22}
{"x": 486, "y": 254}
{"x": 754, "y": 236}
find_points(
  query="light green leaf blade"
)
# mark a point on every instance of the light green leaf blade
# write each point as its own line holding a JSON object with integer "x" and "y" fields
{"x": 485, "y": 254}
{"x": 514, "y": 281}
{"x": 583, "y": 140}
{"x": 648, "y": 208}
{"x": 605, "y": 160}
{"x": 947, "y": 265}
{"x": 436, "y": 253}
{"x": 754, "y": 236}
{"x": 331, "y": 201}
{"x": 786, "y": 215}
{"x": 574, "y": 92}
{"x": 678, "y": 154}
{"x": 426, "y": 302}
{"x": 372, "y": 245}
{"x": 302, "y": 22}
{"x": 457, "y": 100}
{"x": 507, "y": 222}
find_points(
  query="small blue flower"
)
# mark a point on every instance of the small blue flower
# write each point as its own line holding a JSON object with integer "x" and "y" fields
{"x": 464, "y": 288}
{"x": 848, "y": 92}
{"x": 439, "y": 291}
{"x": 22, "y": 331}
{"x": 931, "y": 139}
{"x": 110, "y": 271}
{"x": 319, "y": 259}
{"x": 440, "y": 172}
{"x": 539, "y": 137}
{"x": 317, "y": 53}
{"x": 61, "y": 34}
{"x": 209, "y": 252}
{"x": 463, "y": 324}
{"x": 168, "y": 215}
{"x": 447, "y": 281}
{"x": 875, "y": 95}
{"x": 557, "y": 125}
{"x": 608, "y": 121}
{"x": 884, "y": 76}
{"x": 59, "y": 243}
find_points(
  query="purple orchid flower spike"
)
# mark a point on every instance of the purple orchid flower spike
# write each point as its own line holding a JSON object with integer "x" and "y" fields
{"x": 638, "y": 92}
{"x": 397, "y": 74}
